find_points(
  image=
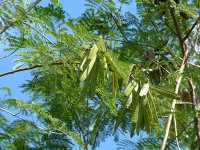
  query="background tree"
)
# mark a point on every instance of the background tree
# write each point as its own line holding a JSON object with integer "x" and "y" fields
{"x": 105, "y": 73}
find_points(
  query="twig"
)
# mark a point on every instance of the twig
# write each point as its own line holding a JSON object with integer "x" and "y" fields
{"x": 166, "y": 23}
{"x": 31, "y": 123}
{"x": 88, "y": 123}
{"x": 183, "y": 103}
{"x": 179, "y": 133}
{"x": 28, "y": 68}
{"x": 16, "y": 115}
{"x": 39, "y": 33}
{"x": 169, "y": 27}
{"x": 195, "y": 65}
{"x": 188, "y": 33}
{"x": 177, "y": 30}
{"x": 23, "y": 14}
{"x": 14, "y": 50}
{"x": 176, "y": 24}
{"x": 163, "y": 116}
{"x": 6, "y": 56}
{"x": 195, "y": 41}
{"x": 36, "y": 66}
{"x": 176, "y": 133}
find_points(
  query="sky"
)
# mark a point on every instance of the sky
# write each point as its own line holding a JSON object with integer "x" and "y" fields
{"x": 74, "y": 8}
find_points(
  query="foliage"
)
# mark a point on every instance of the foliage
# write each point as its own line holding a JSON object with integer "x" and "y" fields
{"x": 103, "y": 73}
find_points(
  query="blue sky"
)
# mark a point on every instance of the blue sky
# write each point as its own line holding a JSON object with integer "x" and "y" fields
{"x": 74, "y": 8}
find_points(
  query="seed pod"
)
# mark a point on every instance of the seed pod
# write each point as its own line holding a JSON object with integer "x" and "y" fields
{"x": 88, "y": 69}
{"x": 93, "y": 52}
{"x": 83, "y": 63}
{"x": 129, "y": 88}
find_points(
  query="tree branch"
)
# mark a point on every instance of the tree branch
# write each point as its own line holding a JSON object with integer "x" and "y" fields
{"x": 195, "y": 65}
{"x": 194, "y": 43}
{"x": 178, "y": 82}
{"x": 30, "y": 68}
{"x": 176, "y": 133}
{"x": 177, "y": 30}
{"x": 188, "y": 33}
{"x": 31, "y": 123}
{"x": 184, "y": 103}
{"x": 166, "y": 23}
{"x": 23, "y": 14}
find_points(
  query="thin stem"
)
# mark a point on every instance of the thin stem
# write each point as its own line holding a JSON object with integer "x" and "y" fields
{"x": 23, "y": 14}
{"x": 189, "y": 63}
{"x": 30, "y": 123}
{"x": 166, "y": 23}
{"x": 178, "y": 31}
{"x": 36, "y": 66}
{"x": 27, "y": 68}
{"x": 39, "y": 33}
{"x": 184, "y": 103}
{"x": 6, "y": 56}
{"x": 189, "y": 32}
{"x": 176, "y": 133}
{"x": 88, "y": 123}
{"x": 22, "y": 42}
{"x": 195, "y": 41}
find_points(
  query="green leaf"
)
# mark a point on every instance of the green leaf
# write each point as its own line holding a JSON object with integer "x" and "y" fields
{"x": 7, "y": 90}
{"x": 76, "y": 137}
{"x": 120, "y": 117}
{"x": 101, "y": 44}
{"x": 11, "y": 102}
{"x": 56, "y": 2}
{"x": 164, "y": 92}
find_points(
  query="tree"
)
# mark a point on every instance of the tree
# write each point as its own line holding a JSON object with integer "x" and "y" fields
{"x": 104, "y": 73}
